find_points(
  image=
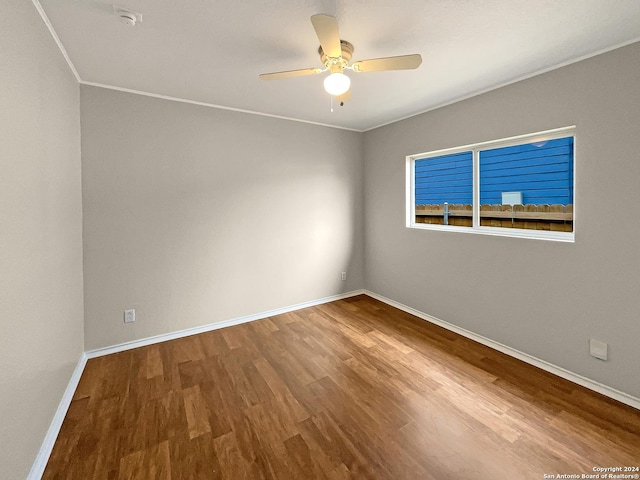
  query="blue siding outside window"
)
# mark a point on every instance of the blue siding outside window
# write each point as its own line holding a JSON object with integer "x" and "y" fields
{"x": 448, "y": 178}
{"x": 542, "y": 171}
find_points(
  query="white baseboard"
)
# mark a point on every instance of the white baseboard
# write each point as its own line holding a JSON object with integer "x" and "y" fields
{"x": 40, "y": 463}
{"x": 512, "y": 352}
{"x": 215, "y": 326}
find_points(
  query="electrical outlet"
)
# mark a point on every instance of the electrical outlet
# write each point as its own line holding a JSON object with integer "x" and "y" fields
{"x": 344, "y": 275}
{"x": 129, "y": 316}
{"x": 598, "y": 349}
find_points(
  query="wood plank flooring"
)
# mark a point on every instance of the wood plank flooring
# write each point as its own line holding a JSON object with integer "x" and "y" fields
{"x": 350, "y": 389}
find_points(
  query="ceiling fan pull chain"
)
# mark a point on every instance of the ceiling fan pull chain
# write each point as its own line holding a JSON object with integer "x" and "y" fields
{"x": 331, "y": 103}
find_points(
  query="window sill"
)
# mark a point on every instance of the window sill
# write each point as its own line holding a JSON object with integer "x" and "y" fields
{"x": 567, "y": 237}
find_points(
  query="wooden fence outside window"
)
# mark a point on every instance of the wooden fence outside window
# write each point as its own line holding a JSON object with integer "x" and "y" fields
{"x": 556, "y": 218}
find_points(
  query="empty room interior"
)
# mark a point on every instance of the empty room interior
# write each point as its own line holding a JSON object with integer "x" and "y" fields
{"x": 327, "y": 239}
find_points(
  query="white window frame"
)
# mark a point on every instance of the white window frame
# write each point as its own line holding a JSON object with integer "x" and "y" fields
{"x": 475, "y": 149}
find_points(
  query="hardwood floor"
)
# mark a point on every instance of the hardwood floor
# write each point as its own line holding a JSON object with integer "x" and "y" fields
{"x": 350, "y": 389}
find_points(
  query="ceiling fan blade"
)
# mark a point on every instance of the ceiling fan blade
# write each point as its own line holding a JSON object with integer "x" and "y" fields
{"x": 402, "y": 62}
{"x": 326, "y": 28}
{"x": 290, "y": 73}
{"x": 346, "y": 96}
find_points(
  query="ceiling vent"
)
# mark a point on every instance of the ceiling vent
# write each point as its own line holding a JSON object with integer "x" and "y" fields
{"x": 127, "y": 17}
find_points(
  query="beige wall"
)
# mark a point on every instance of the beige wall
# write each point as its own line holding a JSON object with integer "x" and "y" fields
{"x": 40, "y": 233}
{"x": 543, "y": 298}
{"x": 194, "y": 215}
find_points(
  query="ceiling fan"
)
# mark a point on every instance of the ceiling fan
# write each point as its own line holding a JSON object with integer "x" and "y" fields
{"x": 335, "y": 55}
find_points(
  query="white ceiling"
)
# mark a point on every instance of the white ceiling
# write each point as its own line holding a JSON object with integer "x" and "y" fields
{"x": 212, "y": 51}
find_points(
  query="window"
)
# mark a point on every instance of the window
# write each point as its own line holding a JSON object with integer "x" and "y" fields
{"x": 444, "y": 189}
{"x": 521, "y": 186}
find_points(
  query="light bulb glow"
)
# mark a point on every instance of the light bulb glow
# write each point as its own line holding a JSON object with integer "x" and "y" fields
{"x": 337, "y": 83}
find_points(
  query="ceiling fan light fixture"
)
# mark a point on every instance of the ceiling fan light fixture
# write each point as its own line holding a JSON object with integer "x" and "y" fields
{"x": 337, "y": 83}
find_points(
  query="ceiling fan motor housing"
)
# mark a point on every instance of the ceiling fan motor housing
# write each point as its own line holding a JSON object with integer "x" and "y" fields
{"x": 342, "y": 61}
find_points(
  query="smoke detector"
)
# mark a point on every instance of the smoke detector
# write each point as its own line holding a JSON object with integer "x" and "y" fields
{"x": 127, "y": 17}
